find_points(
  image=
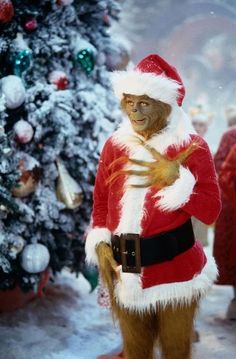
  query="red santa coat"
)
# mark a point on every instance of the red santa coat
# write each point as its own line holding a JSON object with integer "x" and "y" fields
{"x": 120, "y": 208}
{"x": 227, "y": 177}
{"x": 225, "y": 229}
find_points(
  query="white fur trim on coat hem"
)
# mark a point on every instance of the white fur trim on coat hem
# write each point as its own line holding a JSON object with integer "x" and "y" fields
{"x": 176, "y": 195}
{"x": 130, "y": 295}
{"x": 94, "y": 237}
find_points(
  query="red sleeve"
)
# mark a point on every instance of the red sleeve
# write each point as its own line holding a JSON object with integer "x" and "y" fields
{"x": 100, "y": 193}
{"x": 204, "y": 202}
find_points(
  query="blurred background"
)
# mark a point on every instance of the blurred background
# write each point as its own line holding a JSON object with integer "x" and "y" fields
{"x": 195, "y": 36}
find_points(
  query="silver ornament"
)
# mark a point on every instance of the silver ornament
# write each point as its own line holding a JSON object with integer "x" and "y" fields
{"x": 35, "y": 258}
{"x": 13, "y": 91}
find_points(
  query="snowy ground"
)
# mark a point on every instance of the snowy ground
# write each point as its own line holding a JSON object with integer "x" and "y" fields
{"x": 68, "y": 324}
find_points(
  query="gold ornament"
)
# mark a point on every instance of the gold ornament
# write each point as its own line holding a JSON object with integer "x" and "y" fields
{"x": 68, "y": 190}
{"x": 16, "y": 246}
{"x": 29, "y": 178}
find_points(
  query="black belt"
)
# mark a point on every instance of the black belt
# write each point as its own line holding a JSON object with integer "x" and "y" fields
{"x": 134, "y": 252}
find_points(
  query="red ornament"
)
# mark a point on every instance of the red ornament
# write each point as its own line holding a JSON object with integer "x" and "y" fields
{"x": 59, "y": 78}
{"x": 23, "y": 131}
{"x": 31, "y": 25}
{"x": 6, "y": 11}
{"x": 64, "y": 2}
{"x": 106, "y": 19}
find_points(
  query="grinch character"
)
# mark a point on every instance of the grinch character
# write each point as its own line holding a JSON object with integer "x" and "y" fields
{"x": 153, "y": 175}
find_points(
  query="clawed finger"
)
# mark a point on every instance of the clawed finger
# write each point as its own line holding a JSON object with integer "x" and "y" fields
{"x": 157, "y": 155}
{"x": 137, "y": 173}
{"x": 115, "y": 268}
{"x": 144, "y": 185}
{"x": 142, "y": 163}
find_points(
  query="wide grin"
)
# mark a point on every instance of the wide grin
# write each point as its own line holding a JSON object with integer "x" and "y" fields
{"x": 140, "y": 122}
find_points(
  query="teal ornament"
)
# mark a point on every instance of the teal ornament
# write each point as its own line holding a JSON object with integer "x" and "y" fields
{"x": 91, "y": 274}
{"x": 21, "y": 61}
{"x": 85, "y": 58}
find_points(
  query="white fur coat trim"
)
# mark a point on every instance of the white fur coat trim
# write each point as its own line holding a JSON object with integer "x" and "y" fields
{"x": 133, "y": 199}
{"x": 169, "y": 198}
{"x": 175, "y": 196}
{"x": 94, "y": 237}
{"x": 135, "y": 82}
{"x": 176, "y": 133}
{"x": 129, "y": 293}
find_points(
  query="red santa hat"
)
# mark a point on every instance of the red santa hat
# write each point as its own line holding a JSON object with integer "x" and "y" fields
{"x": 153, "y": 77}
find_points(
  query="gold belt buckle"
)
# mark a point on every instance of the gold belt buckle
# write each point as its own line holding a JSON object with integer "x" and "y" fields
{"x": 135, "y": 252}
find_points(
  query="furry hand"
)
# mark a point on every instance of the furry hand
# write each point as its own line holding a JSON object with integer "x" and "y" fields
{"x": 162, "y": 172}
{"x": 107, "y": 265}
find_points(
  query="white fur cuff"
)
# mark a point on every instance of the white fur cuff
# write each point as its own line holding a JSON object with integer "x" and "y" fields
{"x": 94, "y": 237}
{"x": 176, "y": 195}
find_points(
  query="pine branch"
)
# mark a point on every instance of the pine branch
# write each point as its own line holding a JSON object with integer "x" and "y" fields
{"x": 7, "y": 200}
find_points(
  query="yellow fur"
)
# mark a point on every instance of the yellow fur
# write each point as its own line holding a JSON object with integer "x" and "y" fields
{"x": 107, "y": 266}
{"x": 169, "y": 328}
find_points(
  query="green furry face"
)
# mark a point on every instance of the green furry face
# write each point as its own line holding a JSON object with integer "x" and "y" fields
{"x": 145, "y": 114}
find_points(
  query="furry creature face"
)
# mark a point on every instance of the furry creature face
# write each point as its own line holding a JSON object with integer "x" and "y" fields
{"x": 147, "y": 116}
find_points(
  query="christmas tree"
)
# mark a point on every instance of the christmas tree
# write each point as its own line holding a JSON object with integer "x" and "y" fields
{"x": 56, "y": 111}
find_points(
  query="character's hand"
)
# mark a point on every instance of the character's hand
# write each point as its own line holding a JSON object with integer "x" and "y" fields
{"x": 162, "y": 172}
{"x": 107, "y": 265}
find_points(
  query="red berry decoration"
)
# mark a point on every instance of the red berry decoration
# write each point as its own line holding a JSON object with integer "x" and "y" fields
{"x": 64, "y": 2}
{"x": 31, "y": 25}
{"x": 6, "y": 11}
{"x": 106, "y": 19}
{"x": 59, "y": 79}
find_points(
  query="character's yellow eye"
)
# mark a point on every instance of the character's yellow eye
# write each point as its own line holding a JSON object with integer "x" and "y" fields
{"x": 143, "y": 103}
{"x": 129, "y": 102}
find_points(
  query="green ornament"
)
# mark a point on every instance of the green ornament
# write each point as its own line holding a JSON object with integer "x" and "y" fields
{"x": 85, "y": 58}
{"x": 91, "y": 274}
{"x": 21, "y": 61}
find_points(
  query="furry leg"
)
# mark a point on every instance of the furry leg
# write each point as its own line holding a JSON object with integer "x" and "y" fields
{"x": 139, "y": 331}
{"x": 175, "y": 330}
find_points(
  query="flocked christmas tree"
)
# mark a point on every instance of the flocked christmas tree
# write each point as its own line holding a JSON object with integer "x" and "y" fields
{"x": 56, "y": 111}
